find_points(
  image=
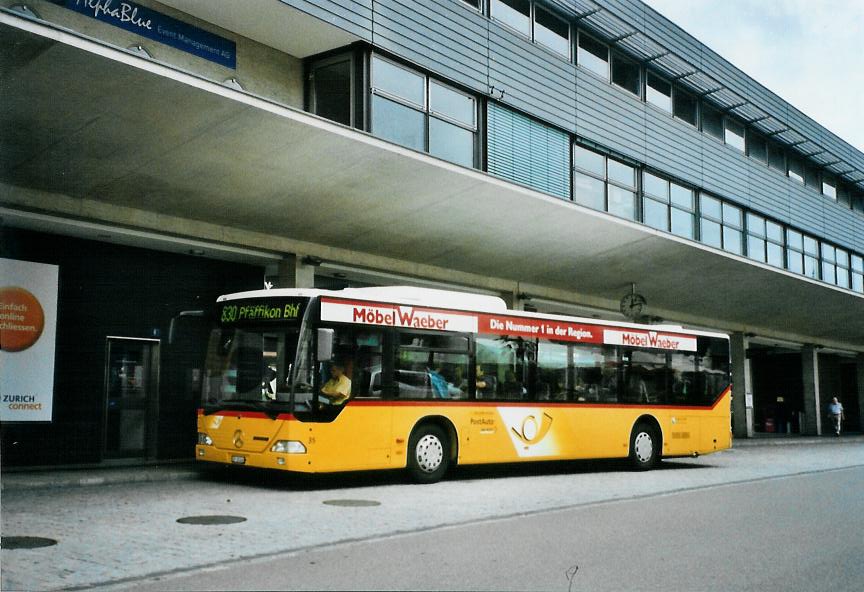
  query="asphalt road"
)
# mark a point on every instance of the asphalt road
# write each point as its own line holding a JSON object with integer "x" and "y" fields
{"x": 789, "y": 533}
{"x": 767, "y": 517}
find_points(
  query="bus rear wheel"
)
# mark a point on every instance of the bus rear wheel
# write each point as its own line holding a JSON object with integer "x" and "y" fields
{"x": 428, "y": 454}
{"x": 644, "y": 447}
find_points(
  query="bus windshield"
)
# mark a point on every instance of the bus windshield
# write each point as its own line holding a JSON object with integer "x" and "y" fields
{"x": 251, "y": 355}
{"x": 248, "y": 368}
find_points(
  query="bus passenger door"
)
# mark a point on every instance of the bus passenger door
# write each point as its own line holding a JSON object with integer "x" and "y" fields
{"x": 363, "y": 428}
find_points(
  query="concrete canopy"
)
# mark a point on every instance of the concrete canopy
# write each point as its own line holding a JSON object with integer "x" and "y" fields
{"x": 87, "y": 121}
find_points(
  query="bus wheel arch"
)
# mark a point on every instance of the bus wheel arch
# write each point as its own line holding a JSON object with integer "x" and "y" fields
{"x": 432, "y": 449}
{"x": 646, "y": 443}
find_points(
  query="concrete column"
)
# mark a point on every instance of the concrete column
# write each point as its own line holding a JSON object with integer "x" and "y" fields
{"x": 812, "y": 424}
{"x": 293, "y": 273}
{"x": 859, "y": 376}
{"x": 742, "y": 388}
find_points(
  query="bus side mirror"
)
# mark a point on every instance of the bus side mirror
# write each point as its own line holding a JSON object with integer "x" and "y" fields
{"x": 325, "y": 344}
{"x": 175, "y": 319}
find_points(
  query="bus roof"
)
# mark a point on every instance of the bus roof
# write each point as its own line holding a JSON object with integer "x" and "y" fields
{"x": 446, "y": 299}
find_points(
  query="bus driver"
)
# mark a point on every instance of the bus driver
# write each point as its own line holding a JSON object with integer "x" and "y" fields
{"x": 338, "y": 388}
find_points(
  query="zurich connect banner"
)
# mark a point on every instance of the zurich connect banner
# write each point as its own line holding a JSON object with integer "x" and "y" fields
{"x": 158, "y": 27}
{"x": 28, "y": 327}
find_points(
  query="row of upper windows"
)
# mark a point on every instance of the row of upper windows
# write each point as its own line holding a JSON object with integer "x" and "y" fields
{"x": 417, "y": 111}
{"x": 603, "y": 183}
{"x": 552, "y": 32}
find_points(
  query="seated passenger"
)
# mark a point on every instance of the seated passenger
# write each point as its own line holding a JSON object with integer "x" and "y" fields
{"x": 338, "y": 388}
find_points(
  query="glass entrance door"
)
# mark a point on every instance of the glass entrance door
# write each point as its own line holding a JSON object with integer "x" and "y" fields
{"x": 131, "y": 397}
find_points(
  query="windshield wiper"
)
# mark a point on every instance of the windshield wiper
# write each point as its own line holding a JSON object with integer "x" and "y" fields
{"x": 265, "y": 407}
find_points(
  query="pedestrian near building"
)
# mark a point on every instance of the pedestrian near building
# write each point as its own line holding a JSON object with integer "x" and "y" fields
{"x": 835, "y": 412}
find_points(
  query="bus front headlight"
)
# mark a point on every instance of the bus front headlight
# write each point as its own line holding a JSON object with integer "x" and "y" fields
{"x": 289, "y": 446}
{"x": 204, "y": 439}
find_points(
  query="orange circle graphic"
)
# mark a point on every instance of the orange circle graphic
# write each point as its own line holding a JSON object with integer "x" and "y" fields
{"x": 21, "y": 319}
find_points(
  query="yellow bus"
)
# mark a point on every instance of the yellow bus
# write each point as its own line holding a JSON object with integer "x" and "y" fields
{"x": 320, "y": 381}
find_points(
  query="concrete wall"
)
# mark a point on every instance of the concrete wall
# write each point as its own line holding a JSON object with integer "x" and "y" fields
{"x": 260, "y": 69}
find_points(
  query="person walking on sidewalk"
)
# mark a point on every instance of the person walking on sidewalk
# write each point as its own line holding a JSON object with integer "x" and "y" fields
{"x": 835, "y": 412}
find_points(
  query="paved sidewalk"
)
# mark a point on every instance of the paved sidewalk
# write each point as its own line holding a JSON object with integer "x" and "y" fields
{"x": 16, "y": 480}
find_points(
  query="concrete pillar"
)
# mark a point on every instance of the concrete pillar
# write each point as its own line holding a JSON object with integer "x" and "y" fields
{"x": 742, "y": 388}
{"x": 859, "y": 377}
{"x": 812, "y": 424}
{"x": 294, "y": 273}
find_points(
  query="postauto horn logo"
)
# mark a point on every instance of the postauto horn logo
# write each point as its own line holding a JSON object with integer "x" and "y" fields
{"x": 531, "y": 431}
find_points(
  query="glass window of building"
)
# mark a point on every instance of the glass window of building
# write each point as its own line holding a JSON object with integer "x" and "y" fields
{"x": 655, "y": 201}
{"x": 734, "y": 133}
{"x": 593, "y": 55}
{"x": 621, "y": 192}
{"x": 398, "y": 82}
{"x": 589, "y": 178}
{"x": 857, "y": 198}
{"x": 794, "y": 251}
{"x": 756, "y": 247}
{"x": 551, "y": 31}
{"x": 589, "y": 191}
{"x": 622, "y": 174}
{"x": 603, "y": 183}
{"x": 733, "y": 240}
{"x": 811, "y": 177}
{"x": 445, "y": 127}
{"x": 626, "y": 75}
{"x": 712, "y": 121}
{"x": 829, "y": 187}
{"x": 332, "y": 86}
{"x": 721, "y": 225}
{"x": 398, "y": 123}
{"x": 451, "y": 104}
{"x": 683, "y": 211}
{"x": 516, "y": 14}
{"x": 857, "y": 263}
{"x": 710, "y": 224}
{"x": 589, "y": 161}
{"x": 811, "y": 257}
{"x": 776, "y": 157}
{"x": 844, "y": 197}
{"x": 829, "y": 268}
{"x": 796, "y": 169}
{"x": 684, "y": 106}
{"x": 842, "y": 261}
{"x": 658, "y": 92}
{"x": 774, "y": 234}
{"x": 477, "y": 4}
{"x": 757, "y": 147}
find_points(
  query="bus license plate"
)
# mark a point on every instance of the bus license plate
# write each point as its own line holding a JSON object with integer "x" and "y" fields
{"x": 238, "y": 460}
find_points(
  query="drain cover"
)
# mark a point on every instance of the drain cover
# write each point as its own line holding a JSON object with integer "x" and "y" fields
{"x": 352, "y": 503}
{"x": 210, "y": 520}
{"x": 25, "y": 542}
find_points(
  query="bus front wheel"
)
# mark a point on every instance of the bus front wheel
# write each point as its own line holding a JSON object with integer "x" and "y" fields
{"x": 428, "y": 454}
{"x": 644, "y": 447}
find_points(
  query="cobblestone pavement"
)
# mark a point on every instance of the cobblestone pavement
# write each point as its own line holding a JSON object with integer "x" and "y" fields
{"x": 124, "y": 532}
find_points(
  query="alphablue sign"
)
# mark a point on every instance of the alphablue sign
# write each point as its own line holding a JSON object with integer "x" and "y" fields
{"x": 158, "y": 27}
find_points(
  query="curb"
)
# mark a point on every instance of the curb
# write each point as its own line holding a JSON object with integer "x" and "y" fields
{"x": 96, "y": 477}
{"x": 797, "y": 441}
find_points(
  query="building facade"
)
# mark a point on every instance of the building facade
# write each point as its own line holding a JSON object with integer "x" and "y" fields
{"x": 563, "y": 154}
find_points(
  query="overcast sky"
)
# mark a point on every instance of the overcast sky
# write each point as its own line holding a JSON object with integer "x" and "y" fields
{"x": 809, "y": 52}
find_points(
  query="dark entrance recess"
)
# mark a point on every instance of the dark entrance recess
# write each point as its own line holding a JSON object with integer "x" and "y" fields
{"x": 778, "y": 389}
{"x": 108, "y": 290}
{"x": 837, "y": 378}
